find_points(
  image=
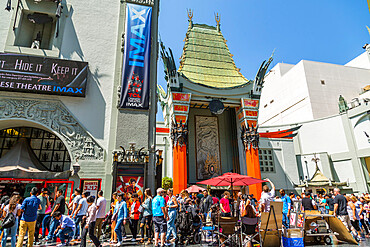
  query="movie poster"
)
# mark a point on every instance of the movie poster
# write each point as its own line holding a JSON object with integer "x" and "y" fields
{"x": 131, "y": 184}
{"x": 300, "y": 220}
{"x": 293, "y": 219}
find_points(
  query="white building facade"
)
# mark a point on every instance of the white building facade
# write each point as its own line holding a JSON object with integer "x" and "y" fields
{"x": 310, "y": 90}
{"x": 90, "y": 127}
{"x": 307, "y": 95}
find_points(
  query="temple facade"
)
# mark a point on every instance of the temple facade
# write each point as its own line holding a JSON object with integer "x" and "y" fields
{"x": 210, "y": 108}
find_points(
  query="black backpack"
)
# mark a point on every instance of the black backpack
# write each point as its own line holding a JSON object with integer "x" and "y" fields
{"x": 8, "y": 221}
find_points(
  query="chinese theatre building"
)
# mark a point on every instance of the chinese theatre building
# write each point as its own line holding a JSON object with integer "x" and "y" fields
{"x": 211, "y": 109}
{"x": 57, "y": 71}
{"x": 66, "y": 81}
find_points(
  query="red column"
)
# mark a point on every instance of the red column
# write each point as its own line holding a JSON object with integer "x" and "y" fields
{"x": 180, "y": 173}
{"x": 253, "y": 170}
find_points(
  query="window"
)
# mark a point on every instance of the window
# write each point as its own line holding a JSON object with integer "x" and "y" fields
{"x": 36, "y": 27}
{"x": 322, "y": 82}
{"x": 47, "y": 147}
{"x": 266, "y": 160}
{"x": 36, "y": 30}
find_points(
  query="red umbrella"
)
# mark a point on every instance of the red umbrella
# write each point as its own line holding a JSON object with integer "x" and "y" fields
{"x": 194, "y": 189}
{"x": 232, "y": 179}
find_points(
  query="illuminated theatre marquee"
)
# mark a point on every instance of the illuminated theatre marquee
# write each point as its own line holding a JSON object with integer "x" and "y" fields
{"x": 31, "y": 74}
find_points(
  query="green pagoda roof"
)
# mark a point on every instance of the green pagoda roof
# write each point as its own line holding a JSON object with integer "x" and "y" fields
{"x": 206, "y": 59}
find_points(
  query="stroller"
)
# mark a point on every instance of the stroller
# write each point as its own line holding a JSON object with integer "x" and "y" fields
{"x": 106, "y": 226}
{"x": 188, "y": 226}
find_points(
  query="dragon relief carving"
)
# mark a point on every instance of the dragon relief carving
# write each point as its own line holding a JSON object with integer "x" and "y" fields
{"x": 54, "y": 115}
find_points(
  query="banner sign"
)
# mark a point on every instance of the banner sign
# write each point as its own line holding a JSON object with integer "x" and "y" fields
{"x": 23, "y": 73}
{"x": 136, "y": 58}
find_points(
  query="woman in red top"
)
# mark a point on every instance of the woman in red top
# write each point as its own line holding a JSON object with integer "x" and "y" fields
{"x": 134, "y": 215}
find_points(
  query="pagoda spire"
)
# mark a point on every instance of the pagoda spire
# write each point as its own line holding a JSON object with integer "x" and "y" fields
{"x": 190, "y": 16}
{"x": 218, "y": 19}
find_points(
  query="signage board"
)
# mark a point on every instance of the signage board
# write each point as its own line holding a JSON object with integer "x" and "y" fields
{"x": 184, "y": 97}
{"x": 136, "y": 58}
{"x": 91, "y": 186}
{"x": 31, "y": 74}
{"x": 250, "y": 103}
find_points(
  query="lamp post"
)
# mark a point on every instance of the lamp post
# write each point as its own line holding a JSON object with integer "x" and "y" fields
{"x": 153, "y": 98}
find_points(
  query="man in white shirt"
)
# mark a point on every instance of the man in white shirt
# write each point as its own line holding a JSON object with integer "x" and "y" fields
{"x": 101, "y": 205}
{"x": 79, "y": 213}
{"x": 267, "y": 196}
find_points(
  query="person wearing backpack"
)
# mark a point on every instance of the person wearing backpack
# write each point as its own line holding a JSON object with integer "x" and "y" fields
{"x": 29, "y": 209}
{"x": 12, "y": 208}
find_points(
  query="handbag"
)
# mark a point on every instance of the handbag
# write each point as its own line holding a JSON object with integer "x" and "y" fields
{"x": 115, "y": 215}
{"x": 9, "y": 221}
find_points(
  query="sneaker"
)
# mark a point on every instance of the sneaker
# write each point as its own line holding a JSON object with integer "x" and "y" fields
{"x": 118, "y": 243}
{"x": 69, "y": 240}
{"x": 133, "y": 239}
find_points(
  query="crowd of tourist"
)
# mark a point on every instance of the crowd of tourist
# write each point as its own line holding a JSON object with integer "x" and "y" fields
{"x": 155, "y": 217}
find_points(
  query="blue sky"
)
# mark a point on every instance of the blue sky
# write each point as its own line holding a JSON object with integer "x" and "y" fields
{"x": 331, "y": 31}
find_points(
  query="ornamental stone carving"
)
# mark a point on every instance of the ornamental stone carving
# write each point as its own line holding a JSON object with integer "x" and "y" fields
{"x": 250, "y": 137}
{"x": 54, "y": 115}
{"x": 179, "y": 133}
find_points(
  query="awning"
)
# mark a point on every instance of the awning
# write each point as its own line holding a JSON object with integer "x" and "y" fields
{"x": 21, "y": 162}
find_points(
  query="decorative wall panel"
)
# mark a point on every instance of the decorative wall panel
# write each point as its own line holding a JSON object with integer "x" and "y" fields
{"x": 55, "y": 116}
{"x": 208, "y": 158}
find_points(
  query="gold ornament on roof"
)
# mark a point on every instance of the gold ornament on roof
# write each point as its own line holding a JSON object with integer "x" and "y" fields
{"x": 217, "y": 18}
{"x": 190, "y": 14}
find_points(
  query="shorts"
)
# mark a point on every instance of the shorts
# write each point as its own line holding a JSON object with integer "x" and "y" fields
{"x": 160, "y": 224}
{"x": 346, "y": 222}
{"x": 356, "y": 225}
